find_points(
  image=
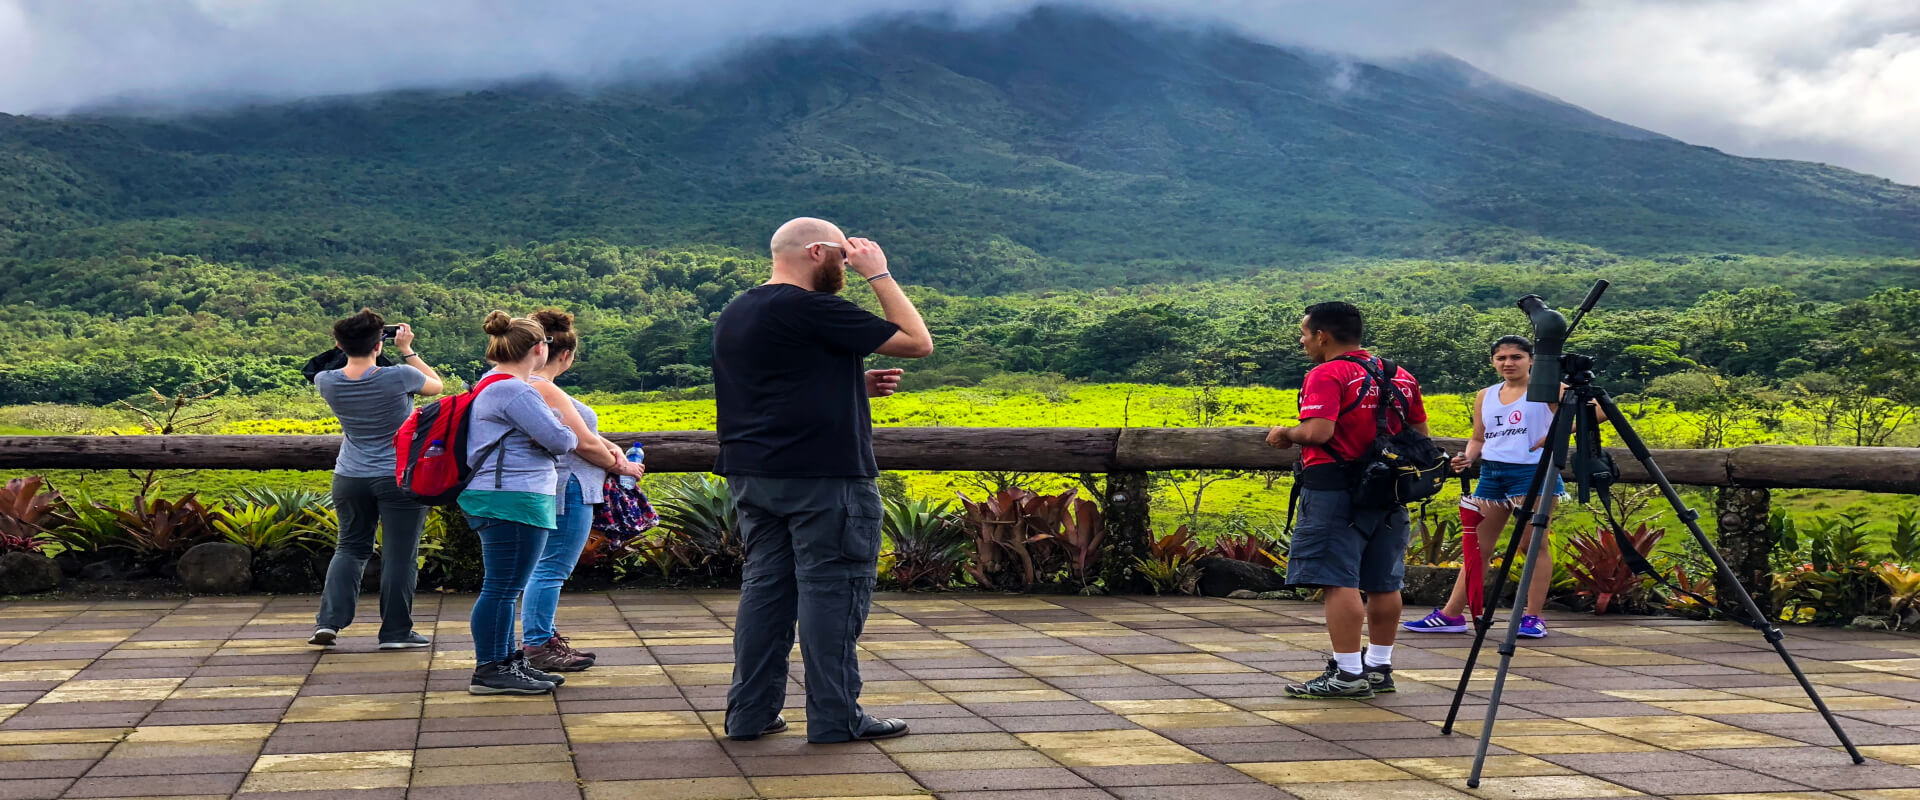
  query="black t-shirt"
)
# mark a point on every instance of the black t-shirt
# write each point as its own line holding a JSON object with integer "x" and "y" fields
{"x": 790, "y": 387}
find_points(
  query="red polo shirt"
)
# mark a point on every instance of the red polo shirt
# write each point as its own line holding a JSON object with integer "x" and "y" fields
{"x": 1335, "y": 385}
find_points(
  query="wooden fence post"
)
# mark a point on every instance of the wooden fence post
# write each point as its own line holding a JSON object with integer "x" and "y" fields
{"x": 1746, "y": 541}
{"x": 1129, "y": 528}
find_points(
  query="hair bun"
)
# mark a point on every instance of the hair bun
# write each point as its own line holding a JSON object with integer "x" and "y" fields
{"x": 498, "y": 323}
{"x": 554, "y": 320}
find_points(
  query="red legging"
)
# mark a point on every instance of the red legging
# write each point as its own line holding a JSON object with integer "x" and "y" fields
{"x": 1476, "y": 562}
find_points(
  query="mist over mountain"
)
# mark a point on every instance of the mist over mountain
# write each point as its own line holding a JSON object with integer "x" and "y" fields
{"x": 1062, "y": 148}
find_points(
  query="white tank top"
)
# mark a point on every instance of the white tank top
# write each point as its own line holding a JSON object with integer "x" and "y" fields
{"x": 1512, "y": 428}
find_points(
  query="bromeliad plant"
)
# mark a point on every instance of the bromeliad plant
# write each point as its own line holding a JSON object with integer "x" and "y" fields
{"x": 929, "y": 543}
{"x": 1169, "y": 565}
{"x": 160, "y": 531}
{"x": 701, "y": 526}
{"x": 260, "y": 528}
{"x": 26, "y": 513}
{"x": 1600, "y": 570}
{"x": 1015, "y": 537}
{"x": 1903, "y": 594}
{"x": 1081, "y": 539}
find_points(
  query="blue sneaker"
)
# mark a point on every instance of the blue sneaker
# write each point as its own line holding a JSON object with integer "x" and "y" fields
{"x": 1437, "y": 622}
{"x": 1532, "y": 627}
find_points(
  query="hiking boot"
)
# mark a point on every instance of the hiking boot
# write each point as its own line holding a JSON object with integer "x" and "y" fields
{"x": 568, "y": 646}
{"x": 1532, "y": 627}
{"x": 1333, "y": 685}
{"x": 520, "y": 658}
{"x": 324, "y": 636}
{"x": 1380, "y": 678}
{"x": 505, "y": 677}
{"x": 552, "y": 656}
{"x": 412, "y": 641}
{"x": 1437, "y": 622}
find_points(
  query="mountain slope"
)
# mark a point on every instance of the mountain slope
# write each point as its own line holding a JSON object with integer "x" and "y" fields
{"x": 1063, "y": 147}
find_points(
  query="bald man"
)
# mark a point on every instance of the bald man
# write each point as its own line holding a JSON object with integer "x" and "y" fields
{"x": 796, "y": 446}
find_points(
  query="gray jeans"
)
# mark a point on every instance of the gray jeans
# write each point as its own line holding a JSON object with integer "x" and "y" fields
{"x": 812, "y": 545}
{"x": 366, "y": 503}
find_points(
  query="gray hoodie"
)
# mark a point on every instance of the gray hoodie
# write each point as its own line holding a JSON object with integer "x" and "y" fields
{"x": 531, "y": 437}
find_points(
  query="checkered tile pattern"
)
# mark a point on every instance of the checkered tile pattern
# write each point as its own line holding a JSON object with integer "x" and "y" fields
{"x": 1017, "y": 697}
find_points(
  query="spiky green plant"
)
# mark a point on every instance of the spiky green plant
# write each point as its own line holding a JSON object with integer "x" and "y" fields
{"x": 928, "y": 542}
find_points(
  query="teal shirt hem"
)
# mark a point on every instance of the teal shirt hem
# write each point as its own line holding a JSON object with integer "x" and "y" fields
{"x": 526, "y": 508}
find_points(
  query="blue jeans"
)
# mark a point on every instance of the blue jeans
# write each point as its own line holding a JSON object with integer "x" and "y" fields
{"x": 1500, "y": 480}
{"x": 508, "y": 550}
{"x": 542, "y": 598}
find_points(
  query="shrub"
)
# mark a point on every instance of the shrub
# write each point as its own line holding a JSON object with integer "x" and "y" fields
{"x": 1081, "y": 539}
{"x": 1600, "y": 570}
{"x": 1903, "y": 594}
{"x": 160, "y": 531}
{"x": 929, "y": 543}
{"x": 700, "y": 526}
{"x": 1014, "y": 532}
{"x": 260, "y": 528}
{"x": 25, "y": 513}
{"x": 1169, "y": 565}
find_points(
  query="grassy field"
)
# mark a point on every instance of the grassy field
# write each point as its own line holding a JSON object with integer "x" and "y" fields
{"x": 1229, "y": 501}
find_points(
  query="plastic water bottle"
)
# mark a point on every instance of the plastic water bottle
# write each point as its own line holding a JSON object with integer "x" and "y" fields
{"x": 436, "y": 448}
{"x": 636, "y": 455}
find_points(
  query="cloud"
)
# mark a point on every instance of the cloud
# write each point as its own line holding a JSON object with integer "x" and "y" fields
{"x": 1826, "y": 80}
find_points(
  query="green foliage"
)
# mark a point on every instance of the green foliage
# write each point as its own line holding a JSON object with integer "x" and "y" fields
{"x": 701, "y": 525}
{"x": 260, "y": 528}
{"x": 928, "y": 543}
{"x": 1904, "y": 543}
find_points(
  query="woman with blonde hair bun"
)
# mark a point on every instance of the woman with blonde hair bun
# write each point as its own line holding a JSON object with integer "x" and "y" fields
{"x": 583, "y": 476}
{"x": 513, "y": 444}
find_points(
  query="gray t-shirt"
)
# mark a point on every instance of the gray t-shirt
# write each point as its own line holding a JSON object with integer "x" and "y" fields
{"x": 371, "y": 410}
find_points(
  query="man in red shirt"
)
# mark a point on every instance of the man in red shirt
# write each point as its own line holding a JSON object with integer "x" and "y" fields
{"x": 1337, "y": 547}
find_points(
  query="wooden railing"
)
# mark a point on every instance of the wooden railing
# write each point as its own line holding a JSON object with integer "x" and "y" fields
{"x": 1068, "y": 450}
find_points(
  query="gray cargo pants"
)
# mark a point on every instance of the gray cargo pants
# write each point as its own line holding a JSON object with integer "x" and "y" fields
{"x": 812, "y": 545}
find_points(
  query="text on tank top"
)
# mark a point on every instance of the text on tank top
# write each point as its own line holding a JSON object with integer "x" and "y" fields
{"x": 1512, "y": 428}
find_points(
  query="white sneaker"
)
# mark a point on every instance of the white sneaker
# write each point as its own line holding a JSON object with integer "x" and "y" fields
{"x": 324, "y": 637}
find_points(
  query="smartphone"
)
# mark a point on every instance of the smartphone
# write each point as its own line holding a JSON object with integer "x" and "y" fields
{"x": 388, "y": 332}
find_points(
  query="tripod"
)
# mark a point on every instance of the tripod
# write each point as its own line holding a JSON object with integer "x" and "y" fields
{"x": 1575, "y": 433}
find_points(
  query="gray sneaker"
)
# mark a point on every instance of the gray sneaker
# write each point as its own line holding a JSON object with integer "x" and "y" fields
{"x": 1333, "y": 685}
{"x": 324, "y": 637}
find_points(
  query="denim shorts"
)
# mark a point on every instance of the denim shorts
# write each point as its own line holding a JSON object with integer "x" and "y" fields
{"x": 1336, "y": 545}
{"x": 1500, "y": 480}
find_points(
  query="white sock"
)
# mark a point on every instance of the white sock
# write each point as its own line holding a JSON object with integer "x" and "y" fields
{"x": 1379, "y": 655}
{"x": 1349, "y": 663}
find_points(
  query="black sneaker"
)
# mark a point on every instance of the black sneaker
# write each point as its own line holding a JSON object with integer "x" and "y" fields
{"x": 1333, "y": 685}
{"x": 778, "y": 725}
{"x": 505, "y": 677}
{"x": 1381, "y": 677}
{"x": 324, "y": 637}
{"x": 412, "y": 641}
{"x": 519, "y": 660}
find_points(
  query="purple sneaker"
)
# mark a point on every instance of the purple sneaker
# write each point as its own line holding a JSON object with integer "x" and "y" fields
{"x": 1437, "y": 622}
{"x": 1532, "y": 627}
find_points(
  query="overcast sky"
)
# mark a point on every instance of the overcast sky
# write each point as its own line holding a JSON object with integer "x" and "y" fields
{"x": 1825, "y": 80}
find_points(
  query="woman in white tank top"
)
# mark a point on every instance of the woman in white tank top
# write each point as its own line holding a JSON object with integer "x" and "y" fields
{"x": 1509, "y": 435}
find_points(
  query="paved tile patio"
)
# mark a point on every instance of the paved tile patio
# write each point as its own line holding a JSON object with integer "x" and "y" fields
{"x": 1058, "y": 698}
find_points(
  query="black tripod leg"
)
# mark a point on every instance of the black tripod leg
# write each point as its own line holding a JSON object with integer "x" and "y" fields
{"x": 1542, "y": 476}
{"x": 1558, "y": 443}
{"x": 1687, "y": 516}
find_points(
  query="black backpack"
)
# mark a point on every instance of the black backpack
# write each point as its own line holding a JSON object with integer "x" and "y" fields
{"x": 1396, "y": 469}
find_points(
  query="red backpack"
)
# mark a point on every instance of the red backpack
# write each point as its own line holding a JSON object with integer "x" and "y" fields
{"x": 431, "y": 447}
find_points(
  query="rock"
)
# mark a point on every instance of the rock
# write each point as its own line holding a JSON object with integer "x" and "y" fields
{"x": 28, "y": 573}
{"x": 1243, "y": 594}
{"x": 1866, "y": 622}
{"x": 1221, "y": 577}
{"x": 287, "y": 570}
{"x": 1283, "y": 594}
{"x": 70, "y": 563}
{"x": 216, "y": 568}
{"x": 1427, "y": 586}
{"x": 113, "y": 569}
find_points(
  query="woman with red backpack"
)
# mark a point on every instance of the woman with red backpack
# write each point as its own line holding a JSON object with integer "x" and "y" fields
{"x": 513, "y": 443}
